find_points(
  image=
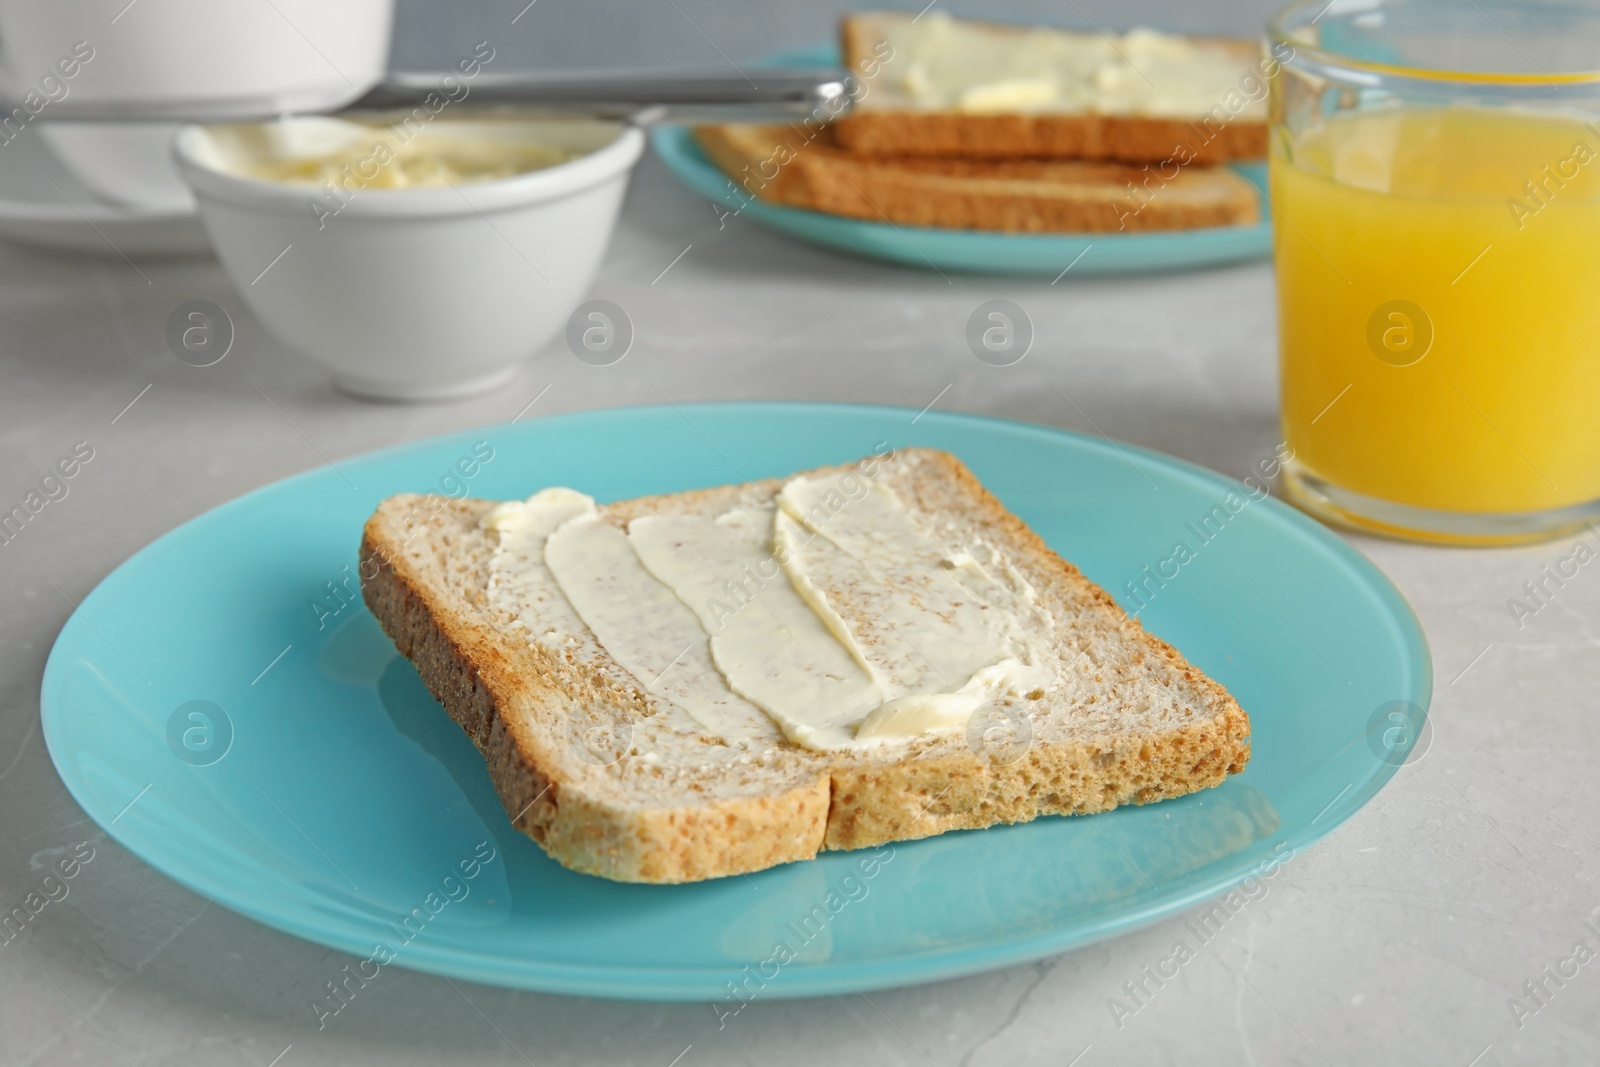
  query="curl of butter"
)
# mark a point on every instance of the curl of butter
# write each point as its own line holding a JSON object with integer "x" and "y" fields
{"x": 920, "y": 713}
{"x": 1009, "y": 94}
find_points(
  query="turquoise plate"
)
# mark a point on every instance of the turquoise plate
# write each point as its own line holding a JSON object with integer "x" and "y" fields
{"x": 226, "y": 709}
{"x": 968, "y": 250}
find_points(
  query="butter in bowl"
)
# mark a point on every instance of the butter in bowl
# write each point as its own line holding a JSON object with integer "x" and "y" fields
{"x": 416, "y": 260}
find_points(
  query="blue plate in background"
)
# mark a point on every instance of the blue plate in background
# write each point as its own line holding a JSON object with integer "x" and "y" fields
{"x": 969, "y": 250}
{"x": 323, "y": 792}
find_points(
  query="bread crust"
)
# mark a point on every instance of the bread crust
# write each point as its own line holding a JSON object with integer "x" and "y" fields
{"x": 887, "y": 130}
{"x": 807, "y": 169}
{"x": 515, "y": 699}
{"x": 1121, "y": 138}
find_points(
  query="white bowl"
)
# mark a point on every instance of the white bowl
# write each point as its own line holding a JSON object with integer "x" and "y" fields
{"x": 122, "y": 162}
{"x": 421, "y": 293}
{"x": 175, "y": 58}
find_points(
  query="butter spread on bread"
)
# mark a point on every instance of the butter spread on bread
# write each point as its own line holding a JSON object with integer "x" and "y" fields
{"x": 600, "y": 752}
{"x": 932, "y": 86}
{"x": 941, "y": 63}
{"x": 832, "y": 612}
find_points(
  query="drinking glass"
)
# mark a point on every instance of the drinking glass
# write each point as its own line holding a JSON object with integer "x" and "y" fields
{"x": 1435, "y": 187}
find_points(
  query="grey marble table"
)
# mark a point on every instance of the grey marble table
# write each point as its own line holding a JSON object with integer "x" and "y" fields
{"x": 1402, "y": 938}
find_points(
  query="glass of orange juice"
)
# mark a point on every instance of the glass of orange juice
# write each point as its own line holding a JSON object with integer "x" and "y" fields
{"x": 1435, "y": 188}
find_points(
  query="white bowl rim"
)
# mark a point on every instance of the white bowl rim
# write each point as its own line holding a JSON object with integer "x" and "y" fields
{"x": 548, "y": 183}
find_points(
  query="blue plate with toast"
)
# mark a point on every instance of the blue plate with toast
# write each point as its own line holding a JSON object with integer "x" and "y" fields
{"x": 1056, "y": 255}
{"x": 224, "y": 706}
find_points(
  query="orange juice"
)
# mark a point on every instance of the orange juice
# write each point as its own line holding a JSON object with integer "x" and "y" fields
{"x": 1439, "y": 306}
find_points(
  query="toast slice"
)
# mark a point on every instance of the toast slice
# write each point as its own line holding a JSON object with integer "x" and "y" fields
{"x": 611, "y": 781}
{"x": 807, "y": 169}
{"x": 989, "y": 108}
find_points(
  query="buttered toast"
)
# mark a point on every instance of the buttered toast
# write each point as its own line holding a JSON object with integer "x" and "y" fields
{"x": 604, "y": 753}
{"x": 937, "y": 86}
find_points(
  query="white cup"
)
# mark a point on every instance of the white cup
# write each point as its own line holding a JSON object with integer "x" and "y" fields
{"x": 189, "y": 58}
{"x": 122, "y": 162}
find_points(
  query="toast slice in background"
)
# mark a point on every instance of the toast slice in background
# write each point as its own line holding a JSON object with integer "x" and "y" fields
{"x": 1203, "y": 124}
{"x": 807, "y": 169}
{"x": 611, "y": 781}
